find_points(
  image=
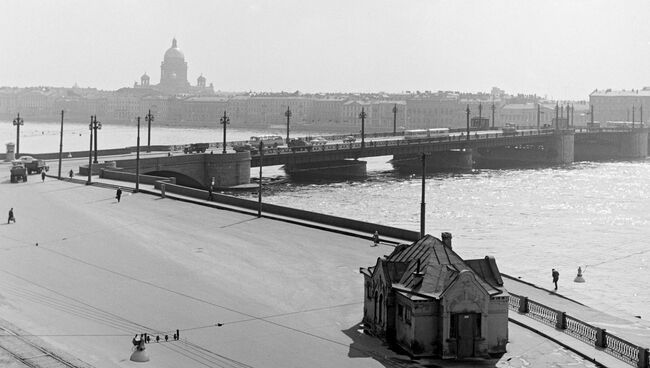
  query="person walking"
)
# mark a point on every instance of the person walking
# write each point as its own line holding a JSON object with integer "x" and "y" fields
{"x": 375, "y": 239}
{"x": 210, "y": 197}
{"x": 11, "y": 216}
{"x": 118, "y": 194}
{"x": 71, "y": 173}
{"x": 556, "y": 277}
{"x": 43, "y": 176}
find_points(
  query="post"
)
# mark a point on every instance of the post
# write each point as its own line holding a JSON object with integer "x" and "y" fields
{"x": 96, "y": 125}
{"x": 288, "y": 115}
{"x": 641, "y": 115}
{"x": 137, "y": 160}
{"x": 149, "y": 118}
{"x": 61, "y": 145}
{"x": 362, "y": 116}
{"x": 523, "y": 304}
{"x": 557, "y": 116}
{"x": 480, "y": 113}
{"x": 225, "y": 120}
{"x": 395, "y": 119}
{"x": 259, "y": 194}
{"x": 633, "y": 116}
{"x": 539, "y": 112}
{"x": 591, "y": 113}
{"x": 561, "y": 320}
{"x": 90, "y": 151}
{"x": 601, "y": 340}
{"x": 493, "y": 108}
{"x": 467, "y": 111}
{"x": 423, "y": 203}
{"x": 18, "y": 121}
{"x": 572, "y": 111}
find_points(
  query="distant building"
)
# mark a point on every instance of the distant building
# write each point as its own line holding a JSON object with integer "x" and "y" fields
{"x": 621, "y": 105}
{"x": 427, "y": 300}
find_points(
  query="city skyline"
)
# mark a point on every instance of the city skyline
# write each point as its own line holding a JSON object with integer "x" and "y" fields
{"x": 563, "y": 50}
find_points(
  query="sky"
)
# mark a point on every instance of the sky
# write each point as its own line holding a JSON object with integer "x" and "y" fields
{"x": 561, "y": 49}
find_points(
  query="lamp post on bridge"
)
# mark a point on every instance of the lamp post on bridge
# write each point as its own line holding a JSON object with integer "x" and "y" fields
{"x": 95, "y": 126}
{"x": 480, "y": 113}
{"x": 467, "y": 113}
{"x": 225, "y": 120}
{"x": 90, "y": 150}
{"x": 18, "y": 121}
{"x": 363, "y": 116}
{"x": 137, "y": 160}
{"x": 149, "y": 119}
{"x": 61, "y": 145}
{"x": 395, "y": 120}
{"x": 259, "y": 194}
{"x": 423, "y": 203}
{"x": 493, "y": 108}
{"x": 288, "y": 115}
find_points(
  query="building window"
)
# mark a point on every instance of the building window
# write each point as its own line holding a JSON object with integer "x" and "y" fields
{"x": 407, "y": 315}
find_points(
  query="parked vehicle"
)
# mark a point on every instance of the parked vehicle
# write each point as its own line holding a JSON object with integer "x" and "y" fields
{"x": 271, "y": 140}
{"x": 299, "y": 145}
{"x": 34, "y": 165}
{"x": 349, "y": 139}
{"x": 318, "y": 141}
{"x": 18, "y": 171}
{"x": 195, "y": 147}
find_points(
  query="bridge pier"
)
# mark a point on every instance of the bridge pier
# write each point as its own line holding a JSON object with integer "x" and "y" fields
{"x": 612, "y": 145}
{"x": 556, "y": 149}
{"x": 453, "y": 160}
{"x": 328, "y": 170}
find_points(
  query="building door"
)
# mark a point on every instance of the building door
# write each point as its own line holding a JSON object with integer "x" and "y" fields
{"x": 466, "y": 330}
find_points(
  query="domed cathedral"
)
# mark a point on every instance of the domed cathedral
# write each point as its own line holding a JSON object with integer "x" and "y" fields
{"x": 173, "y": 71}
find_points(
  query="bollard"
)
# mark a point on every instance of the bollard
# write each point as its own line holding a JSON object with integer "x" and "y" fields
{"x": 601, "y": 342}
{"x": 561, "y": 321}
{"x": 523, "y": 304}
{"x": 644, "y": 358}
{"x": 579, "y": 278}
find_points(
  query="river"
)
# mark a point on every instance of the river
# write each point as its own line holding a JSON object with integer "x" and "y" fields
{"x": 593, "y": 215}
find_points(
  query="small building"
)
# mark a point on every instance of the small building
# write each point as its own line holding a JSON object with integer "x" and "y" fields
{"x": 429, "y": 302}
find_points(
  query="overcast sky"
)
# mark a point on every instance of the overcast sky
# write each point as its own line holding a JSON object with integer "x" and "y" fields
{"x": 562, "y": 49}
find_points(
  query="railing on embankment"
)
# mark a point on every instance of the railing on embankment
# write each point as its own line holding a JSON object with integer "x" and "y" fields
{"x": 626, "y": 351}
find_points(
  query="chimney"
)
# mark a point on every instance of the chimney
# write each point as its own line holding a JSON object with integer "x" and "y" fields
{"x": 446, "y": 239}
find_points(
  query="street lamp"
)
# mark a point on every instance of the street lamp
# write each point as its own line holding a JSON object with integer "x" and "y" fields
{"x": 61, "y": 145}
{"x": 95, "y": 125}
{"x": 90, "y": 151}
{"x": 288, "y": 115}
{"x": 493, "y": 108}
{"x": 225, "y": 120}
{"x": 137, "y": 160}
{"x": 149, "y": 119}
{"x": 423, "y": 203}
{"x": 467, "y": 113}
{"x": 18, "y": 121}
{"x": 395, "y": 119}
{"x": 259, "y": 193}
{"x": 363, "y": 116}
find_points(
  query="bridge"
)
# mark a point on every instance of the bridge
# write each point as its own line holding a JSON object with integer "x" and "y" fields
{"x": 457, "y": 151}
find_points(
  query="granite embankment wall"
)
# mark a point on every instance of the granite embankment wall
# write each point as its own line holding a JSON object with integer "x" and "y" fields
{"x": 362, "y": 226}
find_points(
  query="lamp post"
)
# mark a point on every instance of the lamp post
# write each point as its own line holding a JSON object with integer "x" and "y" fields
{"x": 149, "y": 119}
{"x": 493, "y": 108}
{"x": 225, "y": 120}
{"x": 467, "y": 113}
{"x": 423, "y": 203}
{"x": 259, "y": 192}
{"x": 137, "y": 160}
{"x": 395, "y": 119}
{"x": 641, "y": 115}
{"x": 363, "y": 116}
{"x": 633, "y": 116}
{"x": 557, "y": 116}
{"x": 18, "y": 121}
{"x": 288, "y": 115}
{"x": 95, "y": 125}
{"x": 539, "y": 110}
{"x": 90, "y": 150}
{"x": 61, "y": 145}
{"x": 480, "y": 114}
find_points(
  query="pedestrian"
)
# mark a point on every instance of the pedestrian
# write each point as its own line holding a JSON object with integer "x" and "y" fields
{"x": 210, "y": 193}
{"x": 43, "y": 176}
{"x": 375, "y": 239}
{"x": 71, "y": 173}
{"x": 11, "y": 216}
{"x": 118, "y": 194}
{"x": 556, "y": 277}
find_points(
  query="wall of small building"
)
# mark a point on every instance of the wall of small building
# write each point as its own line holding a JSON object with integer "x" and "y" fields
{"x": 497, "y": 325}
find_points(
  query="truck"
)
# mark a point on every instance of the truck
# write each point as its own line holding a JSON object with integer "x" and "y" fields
{"x": 34, "y": 165}
{"x": 18, "y": 171}
{"x": 195, "y": 147}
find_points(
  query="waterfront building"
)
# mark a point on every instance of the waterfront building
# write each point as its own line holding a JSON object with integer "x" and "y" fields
{"x": 427, "y": 300}
{"x": 618, "y": 105}
{"x": 437, "y": 110}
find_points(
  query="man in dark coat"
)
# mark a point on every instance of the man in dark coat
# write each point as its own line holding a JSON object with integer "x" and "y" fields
{"x": 556, "y": 277}
{"x": 11, "y": 216}
{"x": 118, "y": 195}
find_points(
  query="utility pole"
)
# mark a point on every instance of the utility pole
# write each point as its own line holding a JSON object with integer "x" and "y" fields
{"x": 18, "y": 121}
{"x": 149, "y": 118}
{"x": 225, "y": 120}
{"x": 288, "y": 115}
{"x": 423, "y": 203}
{"x": 137, "y": 160}
{"x": 95, "y": 125}
{"x": 363, "y": 116}
{"x": 395, "y": 120}
{"x": 467, "y": 111}
{"x": 259, "y": 192}
{"x": 90, "y": 151}
{"x": 61, "y": 145}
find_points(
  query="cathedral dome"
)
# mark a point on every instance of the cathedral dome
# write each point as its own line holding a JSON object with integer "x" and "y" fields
{"x": 174, "y": 52}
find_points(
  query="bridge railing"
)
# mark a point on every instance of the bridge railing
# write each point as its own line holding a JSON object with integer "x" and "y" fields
{"x": 635, "y": 355}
